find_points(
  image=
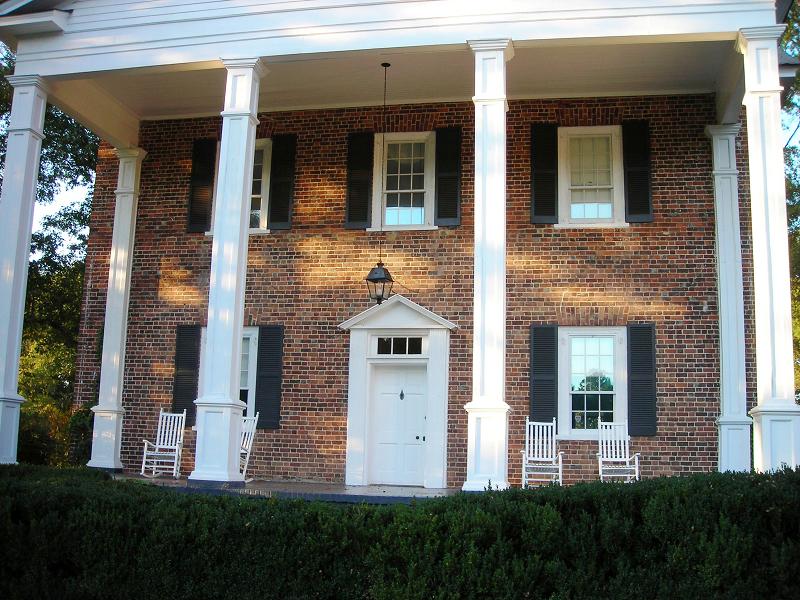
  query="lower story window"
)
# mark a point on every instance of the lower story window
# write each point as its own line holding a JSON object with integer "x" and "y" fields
{"x": 592, "y": 382}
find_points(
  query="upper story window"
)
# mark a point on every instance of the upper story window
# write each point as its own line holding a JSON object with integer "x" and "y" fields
{"x": 404, "y": 181}
{"x": 259, "y": 198}
{"x": 591, "y": 176}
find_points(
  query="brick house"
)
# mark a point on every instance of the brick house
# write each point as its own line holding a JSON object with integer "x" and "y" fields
{"x": 581, "y": 220}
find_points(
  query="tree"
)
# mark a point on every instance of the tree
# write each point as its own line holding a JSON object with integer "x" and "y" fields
{"x": 55, "y": 281}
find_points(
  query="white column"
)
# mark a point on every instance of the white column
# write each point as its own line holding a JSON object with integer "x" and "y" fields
{"x": 776, "y": 435}
{"x": 20, "y": 175}
{"x": 107, "y": 432}
{"x": 487, "y": 423}
{"x": 219, "y": 410}
{"x": 734, "y": 424}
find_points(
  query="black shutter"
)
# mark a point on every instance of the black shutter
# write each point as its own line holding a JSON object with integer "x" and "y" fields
{"x": 544, "y": 173}
{"x": 448, "y": 176}
{"x": 636, "y": 159}
{"x": 360, "y": 150}
{"x": 544, "y": 373}
{"x": 269, "y": 376}
{"x": 187, "y": 370}
{"x": 201, "y": 189}
{"x": 642, "y": 379}
{"x": 281, "y": 181}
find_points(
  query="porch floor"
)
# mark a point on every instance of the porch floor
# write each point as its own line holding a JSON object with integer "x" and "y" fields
{"x": 308, "y": 490}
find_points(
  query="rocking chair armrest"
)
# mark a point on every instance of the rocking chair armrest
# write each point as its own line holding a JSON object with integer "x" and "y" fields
{"x": 148, "y": 443}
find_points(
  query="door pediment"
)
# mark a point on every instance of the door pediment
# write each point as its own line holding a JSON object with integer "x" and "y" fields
{"x": 398, "y": 312}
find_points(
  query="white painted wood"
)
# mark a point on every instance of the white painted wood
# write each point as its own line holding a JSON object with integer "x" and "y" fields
{"x": 364, "y": 366}
{"x": 540, "y": 461}
{"x": 12, "y": 27}
{"x": 118, "y": 35}
{"x": 108, "y": 414}
{"x": 16, "y": 216}
{"x": 487, "y": 423}
{"x": 219, "y": 410}
{"x": 398, "y": 403}
{"x": 164, "y": 456}
{"x": 249, "y": 425}
{"x": 614, "y": 458}
{"x": 733, "y": 422}
{"x": 776, "y": 418}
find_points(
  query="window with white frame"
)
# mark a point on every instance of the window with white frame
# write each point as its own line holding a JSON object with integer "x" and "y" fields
{"x": 404, "y": 181}
{"x": 247, "y": 367}
{"x": 259, "y": 193}
{"x": 592, "y": 379}
{"x": 591, "y": 176}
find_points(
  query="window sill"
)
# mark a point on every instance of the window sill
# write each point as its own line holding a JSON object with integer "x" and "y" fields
{"x": 596, "y": 225}
{"x": 404, "y": 228}
{"x": 249, "y": 232}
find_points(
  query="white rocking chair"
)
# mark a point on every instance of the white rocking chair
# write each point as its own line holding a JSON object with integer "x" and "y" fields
{"x": 614, "y": 458}
{"x": 248, "y": 435}
{"x": 540, "y": 462}
{"x": 165, "y": 455}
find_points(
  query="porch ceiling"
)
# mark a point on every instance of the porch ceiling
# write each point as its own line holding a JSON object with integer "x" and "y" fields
{"x": 431, "y": 74}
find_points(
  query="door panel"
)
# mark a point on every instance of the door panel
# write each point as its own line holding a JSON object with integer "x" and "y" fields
{"x": 397, "y": 437}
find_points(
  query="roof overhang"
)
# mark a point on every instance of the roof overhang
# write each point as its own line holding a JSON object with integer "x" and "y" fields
{"x": 15, "y": 26}
{"x": 10, "y": 7}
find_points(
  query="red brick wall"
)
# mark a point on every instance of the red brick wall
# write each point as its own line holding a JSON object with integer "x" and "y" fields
{"x": 311, "y": 279}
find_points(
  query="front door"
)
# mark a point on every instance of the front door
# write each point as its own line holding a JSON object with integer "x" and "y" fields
{"x": 397, "y": 424}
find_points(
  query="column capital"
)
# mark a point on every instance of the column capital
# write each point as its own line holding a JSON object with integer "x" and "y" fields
{"x": 255, "y": 64}
{"x": 713, "y": 131}
{"x": 138, "y": 154}
{"x": 18, "y": 81}
{"x": 753, "y": 34}
{"x": 504, "y": 45}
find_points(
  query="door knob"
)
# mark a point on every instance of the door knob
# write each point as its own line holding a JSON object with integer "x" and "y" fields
{"x": 417, "y": 437}
{"x": 402, "y": 395}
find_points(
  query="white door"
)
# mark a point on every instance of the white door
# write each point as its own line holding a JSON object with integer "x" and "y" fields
{"x": 397, "y": 424}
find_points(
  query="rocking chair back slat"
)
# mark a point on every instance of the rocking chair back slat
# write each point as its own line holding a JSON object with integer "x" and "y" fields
{"x": 614, "y": 457}
{"x": 248, "y": 435}
{"x": 540, "y": 461}
{"x": 170, "y": 429}
{"x": 165, "y": 455}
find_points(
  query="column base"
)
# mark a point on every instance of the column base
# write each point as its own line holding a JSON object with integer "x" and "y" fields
{"x": 107, "y": 439}
{"x": 776, "y": 435}
{"x": 734, "y": 443}
{"x": 219, "y": 439}
{"x": 9, "y": 428}
{"x": 487, "y": 446}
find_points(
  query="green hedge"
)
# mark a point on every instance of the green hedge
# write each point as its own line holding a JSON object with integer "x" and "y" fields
{"x": 73, "y": 534}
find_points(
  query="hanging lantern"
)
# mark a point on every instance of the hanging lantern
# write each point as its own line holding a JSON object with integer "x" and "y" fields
{"x": 379, "y": 283}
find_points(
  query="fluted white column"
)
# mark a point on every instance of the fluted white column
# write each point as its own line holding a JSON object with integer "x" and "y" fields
{"x": 733, "y": 423}
{"x": 487, "y": 422}
{"x": 107, "y": 432}
{"x": 20, "y": 175}
{"x": 219, "y": 410}
{"x": 776, "y": 418}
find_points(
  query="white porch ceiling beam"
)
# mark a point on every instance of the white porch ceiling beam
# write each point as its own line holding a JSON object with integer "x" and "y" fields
{"x": 730, "y": 89}
{"x": 97, "y": 110}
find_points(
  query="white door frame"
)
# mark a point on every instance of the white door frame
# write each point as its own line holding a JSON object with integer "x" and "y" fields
{"x": 397, "y": 316}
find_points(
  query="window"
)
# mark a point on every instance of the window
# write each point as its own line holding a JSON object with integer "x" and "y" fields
{"x": 404, "y": 181}
{"x": 592, "y": 380}
{"x": 399, "y": 346}
{"x": 247, "y": 368}
{"x": 260, "y": 185}
{"x": 591, "y": 176}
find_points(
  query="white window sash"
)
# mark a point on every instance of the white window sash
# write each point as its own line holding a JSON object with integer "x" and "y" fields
{"x": 251, "y": 335}
{"x": 379, "y": 178}
{"x": 565, "y": 334}
{"x": 565, "y": 177}
{"x": 264, "y": 144}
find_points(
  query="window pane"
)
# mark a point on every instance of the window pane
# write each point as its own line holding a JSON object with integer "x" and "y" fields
{"x": 405, "y": 167}
{"x": 392, "y": 166}
{"x": 418, "y": 182}
{"x": 392, "y": 200}
{"x": 393, "y": 216}
{"x": 384, "y": 345}
{"x": 399, "y": 345}
{"x": 405, "y": 182}
{"x": 393, "y": 150}
{"x": 419, "y": 150}
{"x": 607, "y": 402}
{"x": 255, "y": 218}
{"x": 415, "y": 345}
{"x": 405, "y": 150}
{"x": 578, "y": 420}
{"x": 578, "y": 402}
{"x": 405, "y": 200}
{"x": 392, "y": 182}
{"x": 245, "y": 363}
{"x": 417, "y": 216}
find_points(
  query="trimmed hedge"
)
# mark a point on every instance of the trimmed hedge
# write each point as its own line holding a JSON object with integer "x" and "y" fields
{"x": 73, "y": 534}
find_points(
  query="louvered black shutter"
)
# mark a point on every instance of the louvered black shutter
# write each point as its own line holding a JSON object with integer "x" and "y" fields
{"x": 269, "y": 376}
{"x": 360, "y": 150}
{"x": 201, "y": 188}
{"x": 281, "y": 181}
{"x": 642, "y": 379}
{"x": 636, "y": 159}
{"x": 187, "y": 370}
{"x": 543, "y": 386}
{"x": 448, "y": 176}
{"x": 544, "y": 173}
